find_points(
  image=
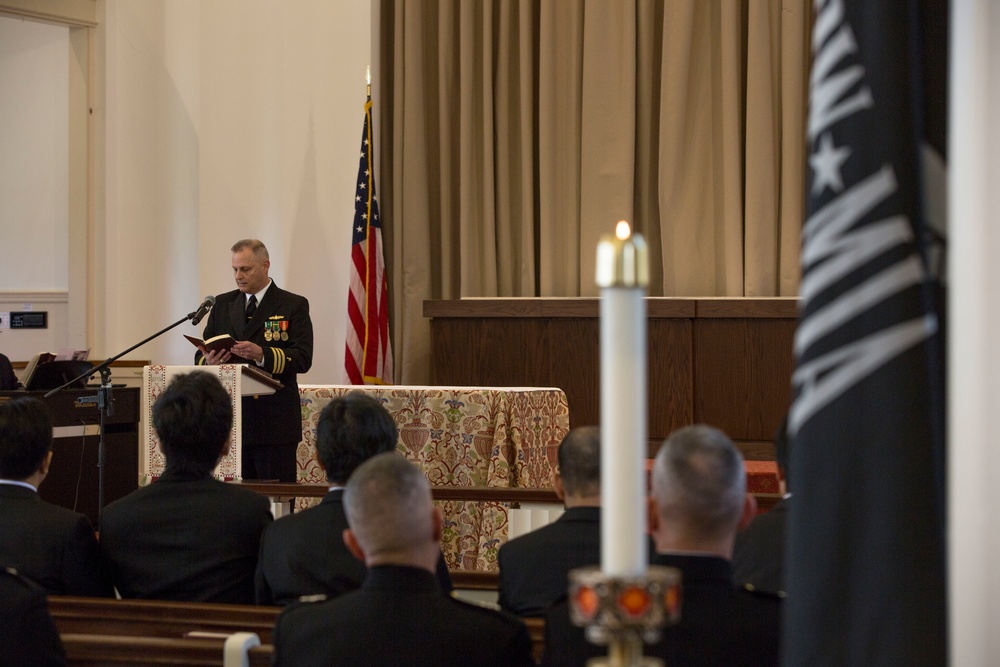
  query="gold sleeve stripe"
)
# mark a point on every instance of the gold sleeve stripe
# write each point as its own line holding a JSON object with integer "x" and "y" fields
{"x": 279, "y": 360}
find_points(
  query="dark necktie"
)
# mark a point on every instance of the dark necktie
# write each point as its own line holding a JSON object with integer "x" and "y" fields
{"x": 251, "y": 306}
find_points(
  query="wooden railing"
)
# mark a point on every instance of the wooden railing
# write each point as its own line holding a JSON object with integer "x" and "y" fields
{"x": 514, "y": 496}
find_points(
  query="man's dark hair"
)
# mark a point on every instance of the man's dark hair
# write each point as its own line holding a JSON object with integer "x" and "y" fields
{"x": 193, "y": 418}
{"x": 25, "y": 436}
{"x": 580, "y": 461}
{"x": 351, "y": 430}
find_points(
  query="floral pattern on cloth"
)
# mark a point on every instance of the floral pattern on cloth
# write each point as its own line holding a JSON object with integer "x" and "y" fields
{"x": 155, "y": 380}
{"x": 460, "y": 436}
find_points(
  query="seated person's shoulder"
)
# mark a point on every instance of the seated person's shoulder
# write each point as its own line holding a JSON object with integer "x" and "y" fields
{"x": 14, "y": 587}
{"x": 63, "y": 515}
{"x": 750, "y": 597}
{"x": 528, "y": 544}
{"x": 477, "y": 613}
{"x": 759, "y": 616}
{"x": 248, "y": 496}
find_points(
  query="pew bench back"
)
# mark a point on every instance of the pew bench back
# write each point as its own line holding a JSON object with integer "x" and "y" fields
{"x": 156, "y": 618}
{"x": 97, "y": 650}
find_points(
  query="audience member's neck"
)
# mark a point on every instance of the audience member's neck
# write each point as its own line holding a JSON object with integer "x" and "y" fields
{"x": 424, "y": 558}
{"x": 582, "y": 501}
{"x": 677, "y": 542}
{"x": 33, "y": 481}
{"x": 185, "y": 472}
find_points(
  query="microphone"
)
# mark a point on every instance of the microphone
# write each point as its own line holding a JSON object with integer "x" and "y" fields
{"x": 203, "y": 309}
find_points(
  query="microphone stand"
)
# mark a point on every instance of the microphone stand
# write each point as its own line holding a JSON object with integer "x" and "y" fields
{"x": 105, "y": 401}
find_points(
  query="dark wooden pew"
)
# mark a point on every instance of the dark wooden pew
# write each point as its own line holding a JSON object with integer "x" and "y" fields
{"x": 105, "y": 650}
{"x": 155, "y": 618}
{"x": 99, "y": 631}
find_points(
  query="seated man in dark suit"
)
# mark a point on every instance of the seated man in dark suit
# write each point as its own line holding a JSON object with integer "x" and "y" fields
{"x": 8, "y": 379}
{"x": 698, "y": 503}
{"x": 187, "y": 536}
{"x": 400, "y": 616}
{"x": 304, "y": 554}
{"x": 28, "y": 637}
{"x": 759, "y": 554}
{"x": 534, "y": 567}
{"x": 51, "y": 545}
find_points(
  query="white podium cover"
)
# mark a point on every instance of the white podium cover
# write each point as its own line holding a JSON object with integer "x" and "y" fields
{"x": 156, "y": 378}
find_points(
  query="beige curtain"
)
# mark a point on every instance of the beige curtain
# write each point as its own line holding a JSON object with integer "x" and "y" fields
{"x": 513, "y": 133}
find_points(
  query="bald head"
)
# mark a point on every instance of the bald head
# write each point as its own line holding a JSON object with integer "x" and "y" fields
{"x": 699, "y": 489}
{"x": 391, "y": 516}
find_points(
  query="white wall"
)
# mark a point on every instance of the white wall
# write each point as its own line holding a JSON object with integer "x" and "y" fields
{"x": 227, "y": 119}
{"x": 973, "y": 354}
{"x": 213, "y": 120}
{"x": 34, "y": 64}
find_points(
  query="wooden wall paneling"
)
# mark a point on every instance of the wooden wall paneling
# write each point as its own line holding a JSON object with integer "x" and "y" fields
{"x": 742, "y": 375}
{"x": 452, "y": 361}
{"x": 574, "y": 366}
{"x": 756, "y": 450}
{"x": 722, "y": 361}
{"x": 491, "y": 352}
{"x": 671, "y": 388}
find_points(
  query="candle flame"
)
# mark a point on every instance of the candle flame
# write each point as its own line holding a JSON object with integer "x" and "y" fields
{"x": 623, "y": 230}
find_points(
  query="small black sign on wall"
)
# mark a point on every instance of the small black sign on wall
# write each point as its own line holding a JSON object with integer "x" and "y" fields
{"x": 35, "y": 319}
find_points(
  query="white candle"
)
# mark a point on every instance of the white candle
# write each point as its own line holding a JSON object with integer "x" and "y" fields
{"x": 623, "y": 276}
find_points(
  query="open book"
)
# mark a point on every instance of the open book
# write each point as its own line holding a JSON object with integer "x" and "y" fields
{"x": 29, "y": 369}
{"x": 220, "y": 342}
{"x": 65, "y": 354}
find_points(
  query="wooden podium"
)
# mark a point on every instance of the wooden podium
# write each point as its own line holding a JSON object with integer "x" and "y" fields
{"x": 239, "y": 380}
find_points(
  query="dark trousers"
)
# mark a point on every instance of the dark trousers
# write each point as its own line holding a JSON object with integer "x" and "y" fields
{"x": 270, "y": 462}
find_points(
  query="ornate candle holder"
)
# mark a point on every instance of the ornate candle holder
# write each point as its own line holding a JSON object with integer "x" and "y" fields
{"x": 622, "y": 612}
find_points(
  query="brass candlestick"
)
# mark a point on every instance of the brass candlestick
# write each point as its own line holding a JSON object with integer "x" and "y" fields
{"x": 622, "y": 612}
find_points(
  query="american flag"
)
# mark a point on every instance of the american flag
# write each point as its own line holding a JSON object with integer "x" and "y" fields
{"x": 368, "y": 358}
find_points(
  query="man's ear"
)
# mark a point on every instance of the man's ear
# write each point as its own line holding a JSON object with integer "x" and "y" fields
{"x": 352, "y": 545}
{"x": 749, "y": 511}
{"x": 438, "y": 520}
{"x": 652, "y": 516}
{"x": 46, "y": 462}
{"x": 557, "y": 484}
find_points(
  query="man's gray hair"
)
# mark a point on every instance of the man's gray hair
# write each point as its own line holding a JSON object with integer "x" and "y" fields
{"x": 256, "y": 246}
{"x": 388, "y": 505}
{"x": 699, "y": 479}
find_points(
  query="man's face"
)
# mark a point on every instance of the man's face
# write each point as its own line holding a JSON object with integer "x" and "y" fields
{"x": 249, "y": 271}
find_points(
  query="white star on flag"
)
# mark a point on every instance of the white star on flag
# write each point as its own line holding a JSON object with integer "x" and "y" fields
{"x": 826, "y": 163}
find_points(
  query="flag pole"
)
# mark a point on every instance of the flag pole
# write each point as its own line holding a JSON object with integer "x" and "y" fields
{"x": 368, "y": 80}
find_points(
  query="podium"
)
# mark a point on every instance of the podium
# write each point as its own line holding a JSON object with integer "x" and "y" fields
{"x": 239, "y": 380}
